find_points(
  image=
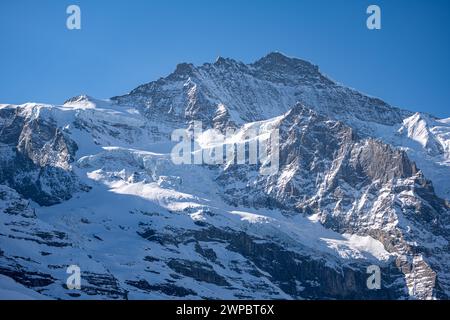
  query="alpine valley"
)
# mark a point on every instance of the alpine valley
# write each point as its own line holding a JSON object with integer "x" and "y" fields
{"x": 92, "y": 183}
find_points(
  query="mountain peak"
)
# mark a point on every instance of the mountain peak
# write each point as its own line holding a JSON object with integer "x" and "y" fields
{"x": 221, "y": 60}
{"x": 226, "y": 62}
{"x": 85, "y": 101}
{"x": 276, "y": 55}
{"x": 183, "y": 69}
{"x": 278, "y": 61}
{"x": 77, "y": 99}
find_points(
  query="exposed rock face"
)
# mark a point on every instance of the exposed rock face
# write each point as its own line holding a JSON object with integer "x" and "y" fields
{"x": 306, "y": 276}
{"x": 253, "y": 92}
{"x": 353, "y": 185}
{"x": 36, "y": 156}
{"x": 13, "y": 204}
{"x": 359, "y": 184}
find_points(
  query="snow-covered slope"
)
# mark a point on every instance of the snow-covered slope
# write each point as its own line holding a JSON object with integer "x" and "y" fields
{"x": 228, "y": 93}
{"x": 92, "y": 183}
{"x": 11, "y": 290}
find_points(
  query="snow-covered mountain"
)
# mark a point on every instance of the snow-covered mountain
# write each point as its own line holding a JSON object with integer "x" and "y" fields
{"x": 92, "y": 183}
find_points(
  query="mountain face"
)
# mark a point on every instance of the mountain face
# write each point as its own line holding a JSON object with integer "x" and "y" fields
{"x": 92, "y": 183}
{"x": 259, "y": 91}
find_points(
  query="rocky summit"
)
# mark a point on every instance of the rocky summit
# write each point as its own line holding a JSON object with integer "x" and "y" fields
{"x": 361, "y": 185}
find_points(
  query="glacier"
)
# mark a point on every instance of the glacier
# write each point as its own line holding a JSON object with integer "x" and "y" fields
{"x": 91, "y": 183}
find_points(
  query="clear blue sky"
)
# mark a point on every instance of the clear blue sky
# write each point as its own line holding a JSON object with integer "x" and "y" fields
{"x": 126, "y": 43}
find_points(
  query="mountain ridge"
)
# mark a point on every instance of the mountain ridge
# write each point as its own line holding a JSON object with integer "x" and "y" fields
{"x": 360, "y": 183}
